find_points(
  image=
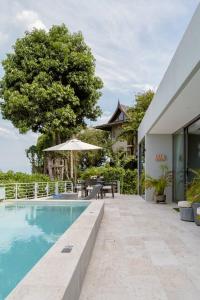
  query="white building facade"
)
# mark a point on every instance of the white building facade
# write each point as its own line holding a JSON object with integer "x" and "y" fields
{"x": 170, "y": 130}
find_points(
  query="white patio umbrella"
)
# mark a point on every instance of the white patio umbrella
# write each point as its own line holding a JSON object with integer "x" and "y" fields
{"x": 73, "y": 145}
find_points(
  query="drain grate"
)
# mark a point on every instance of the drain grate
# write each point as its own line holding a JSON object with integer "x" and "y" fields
{"x": 67, "y": 249}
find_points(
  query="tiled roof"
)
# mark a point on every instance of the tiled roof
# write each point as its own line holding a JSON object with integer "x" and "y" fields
{"x": 123, "y": 108}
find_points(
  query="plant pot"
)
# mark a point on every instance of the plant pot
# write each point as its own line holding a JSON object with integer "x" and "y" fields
{"x": 187, "y": 214}
{"x": 196, "y": 217}
{"x": 160, "y": 198}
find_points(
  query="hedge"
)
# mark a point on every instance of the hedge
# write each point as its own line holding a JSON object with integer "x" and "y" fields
{"x": 19, "y": 177}
{"x": 127, "y": 178}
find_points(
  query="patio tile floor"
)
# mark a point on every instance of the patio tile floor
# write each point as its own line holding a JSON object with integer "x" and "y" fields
{"x": 143, "y": 252}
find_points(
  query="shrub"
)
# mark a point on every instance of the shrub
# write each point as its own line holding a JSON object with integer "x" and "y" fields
{"x": 109, "y": 173}
{"x": 127, "y": 178}
{"x": 12, "y": 177}
{"x": 130, "y": 182}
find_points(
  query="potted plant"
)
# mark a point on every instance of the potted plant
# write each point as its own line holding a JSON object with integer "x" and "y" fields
{"x": 159, "y": 184}
{"x": 193, "y": 195}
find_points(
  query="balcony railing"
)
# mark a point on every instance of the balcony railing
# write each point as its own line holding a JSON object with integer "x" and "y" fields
{"x": 33, "y": 190}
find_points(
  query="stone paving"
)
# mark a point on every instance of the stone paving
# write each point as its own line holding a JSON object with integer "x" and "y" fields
{"x": 143, "y": 252}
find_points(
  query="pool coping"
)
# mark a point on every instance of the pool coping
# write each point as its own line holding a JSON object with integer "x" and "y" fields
{"x": 57, "y": 275}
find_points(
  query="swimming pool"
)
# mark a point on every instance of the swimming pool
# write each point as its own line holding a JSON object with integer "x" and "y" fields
{"x": 27, "y": 231}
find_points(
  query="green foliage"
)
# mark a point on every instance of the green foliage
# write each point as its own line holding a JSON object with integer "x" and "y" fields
{"x": 135, "y": 115}
{"x": 117, "y": 158}
{"x": 127, "y": 178}
{"x": 130, "y": 182}
{"x": 49, "y": 83}
{"x": 193, "y": 191}
{"x": 35, "y": 153}
{"x": 96, "y": 137}
{"x": 142, "y": 182}
{"x": 129, "y": 162}
{"x": 35, "y": 158}
{"x": 159, "y": 184}
{"x": 109, "y": 173}
{"x": 12, "y": 177}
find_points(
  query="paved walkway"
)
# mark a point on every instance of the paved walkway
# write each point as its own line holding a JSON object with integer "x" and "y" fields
{"x": 143, "y": 252}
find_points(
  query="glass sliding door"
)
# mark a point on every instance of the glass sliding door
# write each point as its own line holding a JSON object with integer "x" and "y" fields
{"x": 178, "y": 166}
{"x": 193, "y": 150}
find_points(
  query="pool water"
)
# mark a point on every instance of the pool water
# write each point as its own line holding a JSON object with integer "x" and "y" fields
{"x": 27, "y": 231}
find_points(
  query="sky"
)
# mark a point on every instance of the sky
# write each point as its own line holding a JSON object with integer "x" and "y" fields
{"x": 133, "y": 42}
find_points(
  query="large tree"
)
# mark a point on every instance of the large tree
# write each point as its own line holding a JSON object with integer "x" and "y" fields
{"x": 49, "y": 83}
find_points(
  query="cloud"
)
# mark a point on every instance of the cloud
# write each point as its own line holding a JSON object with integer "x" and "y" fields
{"x": 13, "y": 145}
{"x": 133, "y": 41}
{"x": 6, "y": 133}
{"x": 30, "y": 19}
{"x": 106, "y": 115}
{"x": 14, "y": 232}
{"x": 3, "y": 37}
{"x": 143, "y": 86}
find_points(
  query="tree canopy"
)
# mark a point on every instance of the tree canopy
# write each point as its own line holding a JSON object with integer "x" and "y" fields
{"x": 49, "y": 83}
{"x": 136, "y": 113}
{"x": 96, "y": 137}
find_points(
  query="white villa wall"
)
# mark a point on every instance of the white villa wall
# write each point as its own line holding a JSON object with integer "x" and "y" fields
{"x": 184, "y": 65}
{"x": 158, "y": 144}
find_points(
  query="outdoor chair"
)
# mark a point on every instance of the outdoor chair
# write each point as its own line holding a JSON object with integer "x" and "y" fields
{"x": 95, "y": 192}
{"x": 109, "y": 187}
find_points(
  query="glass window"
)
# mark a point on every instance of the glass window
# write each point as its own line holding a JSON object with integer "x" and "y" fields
{"x": 121, "y": 116}
{"x": 193, "y": 149}
{"x": 178, "y": 166}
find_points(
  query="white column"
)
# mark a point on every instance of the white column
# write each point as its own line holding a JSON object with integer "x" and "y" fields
{"x": 158, "y": 144}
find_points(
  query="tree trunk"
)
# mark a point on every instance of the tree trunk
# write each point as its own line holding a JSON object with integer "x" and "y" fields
{"x": 58, "y": 138}
{"x": 49, "y": 168}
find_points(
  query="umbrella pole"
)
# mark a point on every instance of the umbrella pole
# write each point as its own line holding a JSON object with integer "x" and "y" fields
{"x": 71, "y": 167}
{"x": 75, "y": 169}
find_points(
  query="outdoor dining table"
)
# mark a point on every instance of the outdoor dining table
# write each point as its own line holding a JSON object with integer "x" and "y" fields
{"x": 106, "y": 187}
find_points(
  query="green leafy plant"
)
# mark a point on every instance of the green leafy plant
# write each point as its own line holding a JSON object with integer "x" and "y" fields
{"x": 193, "y": 190}
{"x": 130, "y": 182}
{"x": 159, "y": 184}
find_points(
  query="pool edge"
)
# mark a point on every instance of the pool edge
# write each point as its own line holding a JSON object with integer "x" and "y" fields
{"x": 59, "y": 275}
